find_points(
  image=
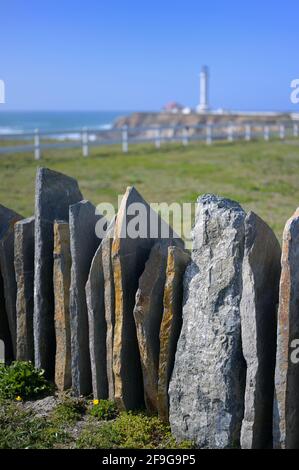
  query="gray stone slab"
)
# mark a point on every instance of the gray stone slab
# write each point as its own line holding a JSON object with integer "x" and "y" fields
{"x": 137, "y": 229}
{"x": 206, "y": 391}
{"x": 286, "y": 403}
{"x": 258, "y": 307}
{"x": 84, "y": 243}
{"x": 109, "y": 303}
{"x": 177, "y": 261}
{"x": 61, "y": 282}
{"x": 6, "y": 349}
{"x": 24, "y": 268}
{"x": 8, "y": 218}
{"x": 54, "y": 194}
{"x": 97, "y": 318}
{"x": 97, "y": 326}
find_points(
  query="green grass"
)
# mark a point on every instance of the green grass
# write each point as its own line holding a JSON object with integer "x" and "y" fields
{"x": 262, "y": 176}
{"x": 21, "y": 429}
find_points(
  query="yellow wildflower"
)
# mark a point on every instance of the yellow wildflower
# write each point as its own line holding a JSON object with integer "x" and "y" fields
{"x": 96, "y": 402}
{"x": 19, "y": 398}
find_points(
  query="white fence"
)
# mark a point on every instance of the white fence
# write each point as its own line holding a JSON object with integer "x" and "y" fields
{"x": 38, "y": 141}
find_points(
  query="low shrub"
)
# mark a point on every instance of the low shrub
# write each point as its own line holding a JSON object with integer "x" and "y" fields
{"x": 104, "y": 409}
{"x": 22, "y": 381}
{"x": 130, "y": 430}
{"x": 69, "y": 411}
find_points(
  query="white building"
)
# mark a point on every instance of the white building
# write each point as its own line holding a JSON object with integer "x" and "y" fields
{"x": 203, "y": 106}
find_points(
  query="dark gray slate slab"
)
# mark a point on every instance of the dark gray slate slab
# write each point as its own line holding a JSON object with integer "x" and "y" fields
{"x": 206, "y": 391}
{"x": 177, "y": 261}
{"x": 286, "y": 403}
{"x": 84, "y": 244}
{"x": 260, "y": 274}
{"x": 6, "y": 350}
{"x": 109, "y": 305}
{"x": 8, "y": 218}
{"x": 24, "y": 268}
{"x": 130, "y": 251}
{"x": 62, "y": 281}
{"x": 54, "y": 194}
{"x": 95, "y": 296}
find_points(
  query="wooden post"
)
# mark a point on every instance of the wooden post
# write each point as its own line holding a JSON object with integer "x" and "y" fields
{"x": 295, "y": 130}
{"x": 36, "y": 145}
{"x": 185, "y": 139}
{"x": 248, "y": 132}
{"x": 158, "y": 139}
{"x": 282, "y": 131}
{"x": 266, "y": 133}
{"x": 125, "y": 146}
{"x": 85, "y": 149}
{"x": 209, "y": 134}
{"x": 230, "y": 136}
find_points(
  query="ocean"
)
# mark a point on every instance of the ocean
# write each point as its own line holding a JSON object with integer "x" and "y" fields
{"x": 17, "y": 122}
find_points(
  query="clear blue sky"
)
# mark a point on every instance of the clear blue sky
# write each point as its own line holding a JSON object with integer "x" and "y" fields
{"x": 137, "y": 55}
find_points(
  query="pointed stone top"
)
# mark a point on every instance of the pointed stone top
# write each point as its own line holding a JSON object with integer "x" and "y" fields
{"x": 290, "y": 223}
{"x": 219, "y": 201}
{"x": 43, "y": 172}
{"x": 7, "y": 218}
{"x": 28, "y": 220}
{"x": 78, "y": 206}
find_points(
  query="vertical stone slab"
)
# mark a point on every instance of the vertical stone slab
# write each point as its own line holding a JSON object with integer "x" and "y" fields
{"x": 134, "y": 236}
{"x": 5, "y": 337}
{"x": 8, "y": 218}
{"x": 54, "y": 194}
{"x": 61, "y": 282}
{"x": 84, "y": 243}
{"x": 260, "y": 275}
{"x": 286, "y": 403}
{"x": 24, "y": 268}
{"x": 177, "y": 261}
{"x": 97, "y": 326}
{"x": 97, "y": 320}
{"x": 109, "y": 303}
{"x": 206, "y": 391}
{"x": 148, "y": 313}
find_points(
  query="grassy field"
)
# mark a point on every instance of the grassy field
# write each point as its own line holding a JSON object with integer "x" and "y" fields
{"x": 262, "y": 176}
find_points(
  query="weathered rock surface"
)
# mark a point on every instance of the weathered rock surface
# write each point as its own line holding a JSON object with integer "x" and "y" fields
{"x": 96, "y": 304}
{"x": 55, "y": 192}
{"x": 109, "y": 305}
{"x": 134, "y": 235}
{"x": 8, "y": 218}
{"x": 148, "y": 313}
{"x": 286, "y": 403}
{"x": 6, "y": 349}
{"x": 84, "y": 244}
{"x": 62, "y": 281}
{"x": 24, "y": 268}
{"x": 206, "y": 391}
{"x": 260, "y": 274}
{"x": 177, "y": 261}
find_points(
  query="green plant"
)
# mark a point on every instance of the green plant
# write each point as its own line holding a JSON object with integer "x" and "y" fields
{"x": 21, "y": 429}
{"x": 21, "y": 381}
{"x": 69, "y": 411}
{"x": 104, "y": 409}
{"x": 130, "y": 430}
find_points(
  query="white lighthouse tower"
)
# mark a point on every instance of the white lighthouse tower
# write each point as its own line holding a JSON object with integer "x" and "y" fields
{"x": 203, "y": 106}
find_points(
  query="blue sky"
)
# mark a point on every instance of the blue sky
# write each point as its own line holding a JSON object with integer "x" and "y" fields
{"x": 137, "y": 55}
